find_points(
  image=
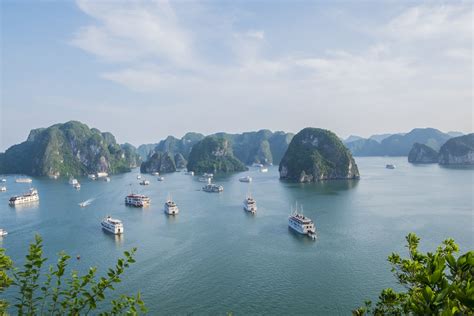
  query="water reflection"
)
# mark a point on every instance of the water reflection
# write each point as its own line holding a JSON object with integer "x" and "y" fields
{"x": 26, "y": 206}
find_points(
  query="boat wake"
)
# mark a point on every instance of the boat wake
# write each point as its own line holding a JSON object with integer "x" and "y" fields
{"x": 86, "y": 203}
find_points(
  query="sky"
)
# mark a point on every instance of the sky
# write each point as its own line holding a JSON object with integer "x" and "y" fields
{"x": 147, "y": 69}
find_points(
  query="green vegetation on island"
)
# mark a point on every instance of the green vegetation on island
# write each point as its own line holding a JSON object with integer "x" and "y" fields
{"x": 161, "y": 162}
{"x": 421, "y": 153}
{"x": 458, "y": 151}
{"x": 68, "y": 149}
{"x": 213, "y": 154}
{"x": 57, "y": 291}
{"x": 263, "y": 146}
{"x": 316, "y": 154}
{"x": 436, "y": 283}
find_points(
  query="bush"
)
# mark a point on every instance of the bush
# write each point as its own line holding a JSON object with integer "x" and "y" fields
{"x": 436, "y": 283}
{"x": 61, "y": 295}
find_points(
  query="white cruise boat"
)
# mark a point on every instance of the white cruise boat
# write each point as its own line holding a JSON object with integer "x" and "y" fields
{"x": 245, "y": 179}
{"x": 73, "y": 181}
{"x": 76, "y": 186}
{"x": 112, "y": 225}
{"x": 264, "y": 169}
{"x": 137, "y": 200}
{"x": 31, "y": 196}
{"x": 3, "y": 232}
{"x": 23, "y": 180}
{"x": 3, "y": 189}
{"x": 161, "y": 179}
{"x": 250, "y": 205}
{"x": 212, "y": 188}
{"x": 144, "y": 182}
{"x": 102, "y": 174}
{"x": 170, "y": 207}
{"x": 302, "y": 224}
{"x": 390, "y": 166}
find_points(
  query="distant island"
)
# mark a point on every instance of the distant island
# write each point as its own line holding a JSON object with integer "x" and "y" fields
{"x": 316, "y": 154}
{"x": 68, "y": 149}
{"x": 456, "y": 151}
{"x": 397, "y": 144}
{"x": 263, "y": 147}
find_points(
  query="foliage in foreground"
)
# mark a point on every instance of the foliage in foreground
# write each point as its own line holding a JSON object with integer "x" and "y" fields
{"x": 58, "y": 294}
{"x": 436, "y": 283}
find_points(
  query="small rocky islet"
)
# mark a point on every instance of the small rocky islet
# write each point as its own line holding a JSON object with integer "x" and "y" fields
{"x": 316, "y": 154}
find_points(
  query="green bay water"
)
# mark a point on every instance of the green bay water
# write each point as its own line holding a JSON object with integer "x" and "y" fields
{"x": 214, "y": 258}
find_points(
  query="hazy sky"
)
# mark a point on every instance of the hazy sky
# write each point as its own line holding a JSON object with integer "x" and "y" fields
{"x": 146, "y": 69}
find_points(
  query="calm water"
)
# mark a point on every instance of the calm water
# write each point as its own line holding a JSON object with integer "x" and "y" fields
{"x": 213, "y": 257}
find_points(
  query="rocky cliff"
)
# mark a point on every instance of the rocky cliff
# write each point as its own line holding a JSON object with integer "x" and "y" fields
{"x": 421, "y": 153}
{"x": 213, "y": 154}
{"x": 159, "y": 162}
{"x": 458, "y": 151}
{"x": 68, "y": 149}
{"x": 316, "y": 154}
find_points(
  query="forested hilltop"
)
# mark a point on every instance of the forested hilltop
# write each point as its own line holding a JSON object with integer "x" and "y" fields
{"x": 68, "y": 149}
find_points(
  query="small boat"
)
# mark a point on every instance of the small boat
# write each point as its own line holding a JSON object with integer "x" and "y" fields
{"x": 144, "y": 182}
{"x": 390, "y": 166}
{"x": 139, "y": 176}
{"x": 170, "y": 207}
{"x": 31, "y": 196}
{"x": 77, "y": 186}
{"x": 137, "y": 200}
{"x": 208, "y": 175}
{"x": 92, "y": 176}
{"x": 3, "y": 189}
{"x": 250, "y": 205}
{"x": 4, "y": 180}
{"x": 246, "y": 179}
{"x": 264, "y": 169}
{"x": 189, "y": 173}
{"x": 23, "y": 180}
{"x": 102, "y": 174}
{"x": 256, "y": 164}
{"x": 161, "y": 179}
{"x": 112, "y": 225}
{"x": 3, "y": 232}
{"x": 155, "y": 173}
{"x": 302, "y": 224}
{"x": 212, "y": 188}
{"x": 107, "y": 179}
{"x": 73, "y": 181}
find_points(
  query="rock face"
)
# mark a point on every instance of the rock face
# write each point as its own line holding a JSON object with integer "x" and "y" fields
{"x": 264, "y": 146}
{"x": 180, "y": 162}
{"x": 316, "y": 154}
{"x": 421, "y": 153}
{"x": 458, "y": 151}
{"x": 213, "y": 154}
{"x": 159, "y": 162}
{"x": 68, "y": 149}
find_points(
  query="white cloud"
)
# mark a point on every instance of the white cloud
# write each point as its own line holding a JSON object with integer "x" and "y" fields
{"x": 420, "y": 58}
